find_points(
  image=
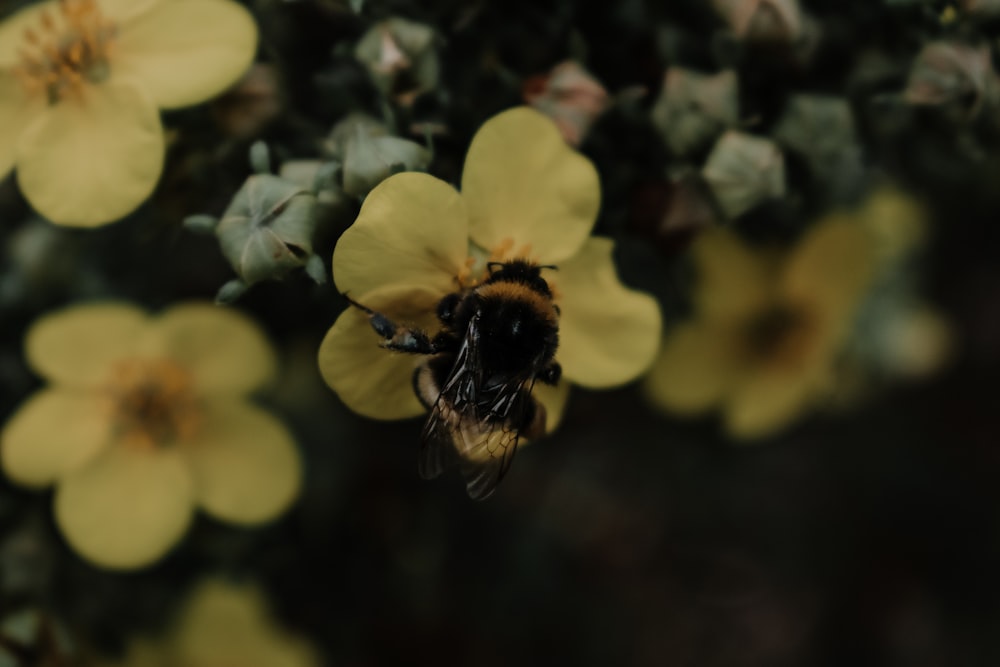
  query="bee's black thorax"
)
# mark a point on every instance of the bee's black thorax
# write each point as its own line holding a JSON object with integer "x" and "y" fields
{"x": 516, "y": 322}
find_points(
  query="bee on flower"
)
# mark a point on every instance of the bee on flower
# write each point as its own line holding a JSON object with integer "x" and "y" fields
{"x": 433, "y": 269}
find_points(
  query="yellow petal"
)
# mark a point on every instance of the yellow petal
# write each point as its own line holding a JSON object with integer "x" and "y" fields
{"x": 17, "y": 110}
{"x": 12, "y": 31}
{"x": 608, "y": 333}
{"x": 226, "y": 624}
{"x": 245, "y": 465}
{"x": 77, "y": 346}
{"x": 696, "y": 369}
{"x": 183, "y": 52}
{"x": 54, "y": 432}
{"x": 370, "y": 380}
{"x": 90, "y": 163}
{"x": 224, "y": 350}
{"x": 830, "y": 270}
{"x": 120, "y": 12}
{"x": 734, "y": 281}
{"x": 767, "y": 401}
{"x": 554, "y": 399}
{"x": 523, "y": 183}
{"x": 412, "y": 230}
{"x": 127, "y": 507}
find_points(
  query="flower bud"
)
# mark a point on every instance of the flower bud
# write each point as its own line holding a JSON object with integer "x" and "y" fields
{"x": 767, "y": 21}
{"x": 953, "y": 75}
{"x": 743, "y": 172}
{"x": 821, "y": 129}
{"x": 335, "y": 145}
{"x": 369, "y": 158}
{"x": 570, "y": 96}
{"x": 986, "y": 8}
{"x": 400, "y": 57}
{"x": 266, "y": 233}
{"x": 267, "y": 230}
{"x": 693, "y": 109}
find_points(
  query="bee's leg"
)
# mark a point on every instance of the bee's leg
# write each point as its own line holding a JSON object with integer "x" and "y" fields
{"x": 551, "y": 374}
{"x": 394, "y": 336}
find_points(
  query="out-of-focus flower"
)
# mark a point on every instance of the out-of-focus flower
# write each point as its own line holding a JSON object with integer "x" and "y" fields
{"x": 957, "y": 76}
{"x": 400, "y": 58}
{"x": 762, "y": 20}
{"x": 525, "y": 194}
{"x": 899, "y": 336}
{"x": 744, "y": 171}
{"x": 767, "y": 328}
{"x": 80, "y": 85}
{"x": 144, "y": 419}
{"x": 251, "y": 104}
{"x": 221, "y": 625}
{"x": 266, "y": 233}
{"x": 570, "y": 96}
{"x": 693, "y": 108}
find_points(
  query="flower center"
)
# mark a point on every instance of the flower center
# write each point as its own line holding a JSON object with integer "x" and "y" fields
{"x": 779, "y": 335}
{"x": 153, "y": 401}
{"x": 68, "y": 50}
{"x": 476, "y": 268}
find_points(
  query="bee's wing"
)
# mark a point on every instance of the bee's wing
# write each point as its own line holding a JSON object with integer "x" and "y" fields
{"x": 487, "y": 450}
{"x": 475, "y": 425}
{"x": 455, "y": 402}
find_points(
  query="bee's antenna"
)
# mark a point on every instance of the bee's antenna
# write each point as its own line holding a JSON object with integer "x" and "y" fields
{"x": 549, "y": 266}
{"x": 490, "y": 265}
{"x": 357, "y": 305}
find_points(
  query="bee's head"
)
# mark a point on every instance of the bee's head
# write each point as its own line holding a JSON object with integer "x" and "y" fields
{"x": 520, "y": 271}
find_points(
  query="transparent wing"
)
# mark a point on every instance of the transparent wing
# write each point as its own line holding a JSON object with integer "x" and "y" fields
{"x": 474, "y": 425}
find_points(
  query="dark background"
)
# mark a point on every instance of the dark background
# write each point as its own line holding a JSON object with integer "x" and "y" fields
{"x": 864, "y": 538}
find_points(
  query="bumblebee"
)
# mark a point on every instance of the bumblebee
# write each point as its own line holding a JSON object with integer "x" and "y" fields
{"x": 496, "y": 340}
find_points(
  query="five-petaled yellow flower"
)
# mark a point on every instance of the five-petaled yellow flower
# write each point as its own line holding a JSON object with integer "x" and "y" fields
{"x": 144, "y": 419}
{"x": 221, "y": 625}
{"x": 525, "y": 194}
{"x": 80, "y": 85}
{"x": 767, "y": 327}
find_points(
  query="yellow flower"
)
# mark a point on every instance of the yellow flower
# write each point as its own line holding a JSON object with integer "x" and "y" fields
{"x": 144, "y": 419}
{"x": 222, "y": 625}
{"x": 80, "y": 85}
{"x": 767, "y": 327}
{"x": 525, "y": 193}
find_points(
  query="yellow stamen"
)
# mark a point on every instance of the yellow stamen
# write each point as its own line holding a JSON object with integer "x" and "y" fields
{"x": 780, "y": 337}
{"x": 153, "y": 402}
{"x": 70, "y": 52}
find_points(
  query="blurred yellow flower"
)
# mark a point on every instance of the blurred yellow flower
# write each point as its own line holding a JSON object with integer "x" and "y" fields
{"x": 222, "y": 625}
{"x": 80, "y": 85}
{"x": 144, "y": 419}
{"x": 767, "y": 326}
{"x": 526, "y": 194}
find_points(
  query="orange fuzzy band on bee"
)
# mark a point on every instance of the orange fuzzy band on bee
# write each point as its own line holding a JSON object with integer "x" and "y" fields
{"x": 508, "y": 291}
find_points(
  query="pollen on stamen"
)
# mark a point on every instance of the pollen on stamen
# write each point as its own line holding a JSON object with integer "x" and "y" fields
{"x": 69, "y": 51}
{"x": 153, "y": 402}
